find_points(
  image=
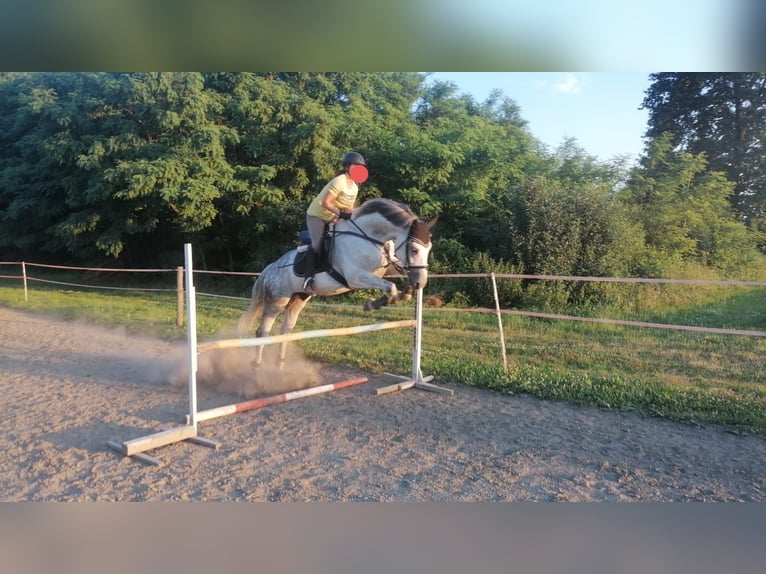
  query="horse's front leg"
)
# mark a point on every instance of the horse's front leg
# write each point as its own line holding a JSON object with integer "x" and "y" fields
{"x": 264, "y": 329}
{"x": 366, "y": 280}
{"x": 390, "y": 296}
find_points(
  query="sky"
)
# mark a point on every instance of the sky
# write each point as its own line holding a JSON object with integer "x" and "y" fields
{"x": 676, "y": 35}
{"x": 599, "y": 109}
{"x": 480, "y": 35}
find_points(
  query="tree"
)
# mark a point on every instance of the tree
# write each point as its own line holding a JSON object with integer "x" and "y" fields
{"x": 34, "y": 122}
{"x": 293, "y": 130}
{"x": 128, "y": 166}
{"x": 685, "y": 211}
{"x": 464, "y": 163}
{"x": 95, "y": 163}
{"x": 722, "y": 115}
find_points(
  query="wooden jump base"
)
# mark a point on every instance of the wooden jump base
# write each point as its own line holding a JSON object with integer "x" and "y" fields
{"x": 408, "y": 383}
{"x": 136, "y": 448}
{"x": 416, "y": 380}
{"x": 242, "y": 407}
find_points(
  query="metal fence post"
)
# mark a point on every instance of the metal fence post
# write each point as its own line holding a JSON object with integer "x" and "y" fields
{"x": 180, "y": 296}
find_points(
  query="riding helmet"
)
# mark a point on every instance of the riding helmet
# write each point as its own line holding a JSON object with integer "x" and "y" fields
{"x": 353, "y": 158}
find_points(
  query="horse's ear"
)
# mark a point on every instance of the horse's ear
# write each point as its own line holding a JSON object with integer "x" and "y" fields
{"x": 430, "y": 224}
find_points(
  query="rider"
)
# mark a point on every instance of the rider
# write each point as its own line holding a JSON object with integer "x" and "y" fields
{"x": 336, "y": 200}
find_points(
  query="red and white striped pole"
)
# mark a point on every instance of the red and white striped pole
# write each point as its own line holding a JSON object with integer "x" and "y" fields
{"x": 226, "y": 410}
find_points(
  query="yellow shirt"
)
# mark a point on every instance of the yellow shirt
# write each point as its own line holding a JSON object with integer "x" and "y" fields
{"x": 343, "y": 194}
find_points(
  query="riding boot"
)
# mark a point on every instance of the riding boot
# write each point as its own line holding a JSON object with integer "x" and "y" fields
{"x": 311, "y": 262}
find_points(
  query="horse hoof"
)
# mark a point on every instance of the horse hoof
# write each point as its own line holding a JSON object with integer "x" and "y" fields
{"x": 369, "y": 306}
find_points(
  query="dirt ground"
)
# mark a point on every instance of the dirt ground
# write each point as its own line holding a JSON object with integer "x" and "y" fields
{"x": 68, "y": 388}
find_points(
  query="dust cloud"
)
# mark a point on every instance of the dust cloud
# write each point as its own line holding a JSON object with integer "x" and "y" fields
{"x": 232, "y": 371}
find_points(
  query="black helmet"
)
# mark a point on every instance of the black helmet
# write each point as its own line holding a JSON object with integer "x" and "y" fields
{"x": 353, "y": 158}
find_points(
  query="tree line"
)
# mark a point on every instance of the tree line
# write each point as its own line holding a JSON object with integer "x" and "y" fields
{"x": 122, "y": 168}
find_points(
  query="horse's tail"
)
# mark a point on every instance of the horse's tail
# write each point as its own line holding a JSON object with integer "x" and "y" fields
{"x": 255, "y": 309}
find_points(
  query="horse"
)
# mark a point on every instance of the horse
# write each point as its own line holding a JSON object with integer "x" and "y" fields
{"x": 381, "y": 236}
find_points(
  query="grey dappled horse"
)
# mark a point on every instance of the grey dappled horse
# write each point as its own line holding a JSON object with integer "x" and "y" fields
{"x": 382, "y": 236}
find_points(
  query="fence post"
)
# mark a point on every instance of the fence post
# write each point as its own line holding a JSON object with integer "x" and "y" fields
{"x": 180, "y": 296}
{"x": 24, "y": 275}
{"x": 499, "y": 322}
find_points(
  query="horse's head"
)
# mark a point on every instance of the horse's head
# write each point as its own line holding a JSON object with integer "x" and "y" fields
{"x": 395, "y": 221}
{"x": 418, "y": 250}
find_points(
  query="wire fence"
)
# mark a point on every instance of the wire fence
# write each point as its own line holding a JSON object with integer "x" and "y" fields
{"x": 636, "y": 355}
{"x": 25, "y": 272}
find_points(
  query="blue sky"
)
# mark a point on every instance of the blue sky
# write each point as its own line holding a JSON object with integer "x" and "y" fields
{"x": 666, "y": 35}
{"x": 598, "y": 109}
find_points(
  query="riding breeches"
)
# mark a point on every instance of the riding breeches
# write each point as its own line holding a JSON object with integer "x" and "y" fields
{"x": 316, "y": 228}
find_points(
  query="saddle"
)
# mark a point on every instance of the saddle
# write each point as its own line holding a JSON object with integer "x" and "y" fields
{"x": 304, "y": 244}
{"x": 323, "y": 263}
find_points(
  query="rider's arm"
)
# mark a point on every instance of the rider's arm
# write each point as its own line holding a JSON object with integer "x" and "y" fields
{"x": 329, "y": 204}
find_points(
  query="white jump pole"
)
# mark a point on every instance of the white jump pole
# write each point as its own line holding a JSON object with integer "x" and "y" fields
{"x": 299, "y": 336}
{"x": 191, "y": 333}
{"x": 138, "y": 446}
{"x": 417, "y": 347}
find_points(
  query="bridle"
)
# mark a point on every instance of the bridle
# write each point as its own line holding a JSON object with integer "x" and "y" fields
{"x": 411, "y": 238}
{"x": 391, "y": 259}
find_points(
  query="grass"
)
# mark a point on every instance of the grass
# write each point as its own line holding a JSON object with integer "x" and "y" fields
{"x": 683, "y": 376}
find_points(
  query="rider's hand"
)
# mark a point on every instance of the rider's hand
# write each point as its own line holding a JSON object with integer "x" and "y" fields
{"x": 344, "y": 214}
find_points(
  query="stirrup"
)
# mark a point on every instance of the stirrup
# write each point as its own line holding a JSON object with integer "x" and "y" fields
{"x": 308, "y": 284}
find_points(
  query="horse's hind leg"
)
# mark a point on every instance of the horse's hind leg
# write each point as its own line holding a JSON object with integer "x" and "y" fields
{"x": 270, "y": 315}
{"x": 292, "y": 312}
{"x": 258, "y": 360}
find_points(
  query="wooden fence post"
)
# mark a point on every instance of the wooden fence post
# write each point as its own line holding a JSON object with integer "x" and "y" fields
{"x": 24, "y": 275}
{"x": 499, "y": 322}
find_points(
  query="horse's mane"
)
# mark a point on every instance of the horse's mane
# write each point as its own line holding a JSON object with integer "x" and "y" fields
{"x": 397, "y": 213}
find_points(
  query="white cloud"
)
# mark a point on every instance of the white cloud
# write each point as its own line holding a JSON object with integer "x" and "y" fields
{"x": 570, "y": 84}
